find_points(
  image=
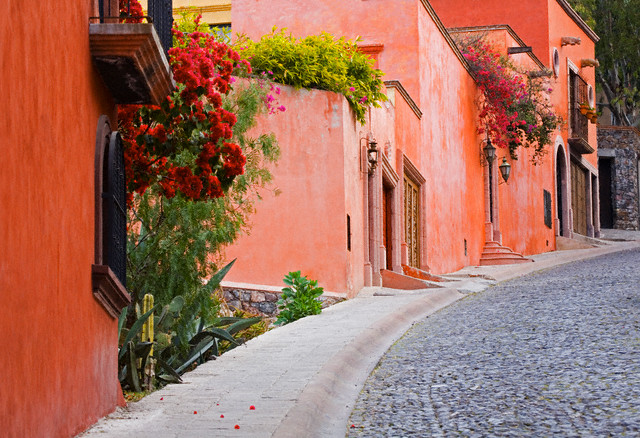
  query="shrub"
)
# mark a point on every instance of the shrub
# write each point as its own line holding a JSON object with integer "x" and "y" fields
{"x": 299, "y": 299}
{"x": 317, "y": 61}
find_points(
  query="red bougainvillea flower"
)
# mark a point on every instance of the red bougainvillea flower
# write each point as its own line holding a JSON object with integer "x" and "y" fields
{"x": 159, "y": 141}
{"x": 514, "y": 110}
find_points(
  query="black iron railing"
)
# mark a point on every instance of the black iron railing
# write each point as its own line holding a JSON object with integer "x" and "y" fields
{"x": 160, "y": 14}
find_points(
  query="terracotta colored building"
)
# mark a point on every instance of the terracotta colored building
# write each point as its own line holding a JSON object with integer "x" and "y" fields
{"x": 61, "y": 234}
{"x": 430, "y": 205}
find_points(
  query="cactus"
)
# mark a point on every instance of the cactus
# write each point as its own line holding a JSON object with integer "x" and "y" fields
{"x": 147, "y": 336}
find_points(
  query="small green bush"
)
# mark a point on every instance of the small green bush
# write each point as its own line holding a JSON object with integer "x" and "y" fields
{"x": 299, "y": 299}
{"x": 317, "y": 61}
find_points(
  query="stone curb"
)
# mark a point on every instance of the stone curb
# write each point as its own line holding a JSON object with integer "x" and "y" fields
{"x": 324, "y": 406}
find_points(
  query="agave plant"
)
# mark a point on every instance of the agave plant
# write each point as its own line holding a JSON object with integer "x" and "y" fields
{"x": 173, "y": 350}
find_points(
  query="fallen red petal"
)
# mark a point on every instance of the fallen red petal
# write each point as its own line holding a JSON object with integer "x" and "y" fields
{"x": 353, "y": 426}
{"x": 195, "y": 412}
{"x": 252, "y": 408}
{"x": 236, "y": 427}
{"x": 161, "y": 398}
{"x": 221, "y": 415}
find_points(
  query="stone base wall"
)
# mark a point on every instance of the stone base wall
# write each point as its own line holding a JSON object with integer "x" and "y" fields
{"x": 624, "y": 145}
{"x": 262, "y": 302}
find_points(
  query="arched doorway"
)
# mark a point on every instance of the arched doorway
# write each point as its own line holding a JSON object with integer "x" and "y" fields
{"x": 562, "y": 204}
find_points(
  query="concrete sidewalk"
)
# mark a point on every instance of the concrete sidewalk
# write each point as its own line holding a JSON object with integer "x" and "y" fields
{"x": 304, "y": 378}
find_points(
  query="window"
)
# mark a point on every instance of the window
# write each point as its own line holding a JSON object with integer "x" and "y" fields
{"x": 109, "y": 270}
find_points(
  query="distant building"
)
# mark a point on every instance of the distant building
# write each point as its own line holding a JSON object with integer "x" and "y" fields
{"x": 619, "y": 168}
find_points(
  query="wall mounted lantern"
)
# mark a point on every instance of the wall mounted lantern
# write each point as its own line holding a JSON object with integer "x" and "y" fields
{"x": 505, "y": 169}
{"x": 489, "y": 151}
{"x": 372, "y": 155}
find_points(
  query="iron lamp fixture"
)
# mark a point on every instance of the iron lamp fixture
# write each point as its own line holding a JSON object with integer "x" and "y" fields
{"x": 505, "y": 169}
{"x": 489, "y": 151}
{"x": 372, "y": 155}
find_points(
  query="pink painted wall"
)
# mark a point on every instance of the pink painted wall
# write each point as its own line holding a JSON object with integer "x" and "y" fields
{"x": 449, "y": 153}
{"x": 304, "y": 227}
{"x": 59, "y": 351}
{"x": 528, "y": 18}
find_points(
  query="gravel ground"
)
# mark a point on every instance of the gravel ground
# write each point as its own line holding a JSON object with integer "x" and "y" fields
{"x": 556, "y": 353}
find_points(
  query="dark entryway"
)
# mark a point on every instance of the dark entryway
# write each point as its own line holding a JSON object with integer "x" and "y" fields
{"x": 387, "y": 196}
{"x": 605, "y": 172}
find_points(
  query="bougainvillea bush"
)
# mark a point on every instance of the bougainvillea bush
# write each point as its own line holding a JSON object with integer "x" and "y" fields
{"x": 193, "y": 175}
{"x": 515, "y": 110}
{"x": 317, "y": 61}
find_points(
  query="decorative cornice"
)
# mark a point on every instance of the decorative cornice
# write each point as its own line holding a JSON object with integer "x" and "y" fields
{"x": 371, "y": 49}
{"x": 578, "y": 20}
{"x": 403, "y": 92}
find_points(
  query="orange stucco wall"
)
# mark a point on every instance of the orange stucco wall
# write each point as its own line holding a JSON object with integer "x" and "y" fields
{"x": 304, "y": 226}
{"x": 59, "y": 351}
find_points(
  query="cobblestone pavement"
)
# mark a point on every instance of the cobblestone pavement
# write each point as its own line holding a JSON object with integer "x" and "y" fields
{"x": 555, "y": 353}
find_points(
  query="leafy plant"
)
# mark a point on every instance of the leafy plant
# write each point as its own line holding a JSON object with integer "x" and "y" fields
{"x": 317, "y": 61}
{"x": 174, "y": 353}
{"x": 299, "y": 299}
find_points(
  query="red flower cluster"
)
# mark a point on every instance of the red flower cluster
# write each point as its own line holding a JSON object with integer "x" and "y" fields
{"x": 184, "y": 144}
{"x": 130, "y": 11}
{"x": 515, "y": 111}
{"x": 502, "y": 89}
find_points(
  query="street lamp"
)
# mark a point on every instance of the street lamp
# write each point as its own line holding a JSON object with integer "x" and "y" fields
{"x": 372, "y": 155}
{"x": 505, "y": 169}
{"x": 489, "y": 151}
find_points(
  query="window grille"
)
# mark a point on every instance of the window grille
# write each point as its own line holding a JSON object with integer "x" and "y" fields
{"x": 114, "y": 209}
{"x": 161, "y": 12}
{"x": 547, "y": 208}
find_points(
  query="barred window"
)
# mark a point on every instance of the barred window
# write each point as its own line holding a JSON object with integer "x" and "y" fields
{"x": 109, "y": 272}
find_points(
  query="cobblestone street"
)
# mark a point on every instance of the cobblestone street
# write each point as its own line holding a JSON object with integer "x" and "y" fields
{"x": 555, "y": 353}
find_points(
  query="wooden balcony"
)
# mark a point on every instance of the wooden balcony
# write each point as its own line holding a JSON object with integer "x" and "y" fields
{"x": 579, "y": 133}
{"x": 131, "y": 61}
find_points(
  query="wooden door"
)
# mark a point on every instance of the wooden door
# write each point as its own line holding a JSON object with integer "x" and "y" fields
{"x": 412, "y": 221}
{"x": 579, "y": 199}
{"x": 387, "y": 193}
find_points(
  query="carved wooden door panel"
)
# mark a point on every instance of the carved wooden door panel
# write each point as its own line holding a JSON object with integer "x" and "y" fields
{"x": 412, "y": 221}
{"x": 579, "y": 199}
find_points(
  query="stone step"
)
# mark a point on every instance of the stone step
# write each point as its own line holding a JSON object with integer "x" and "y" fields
{"x": 495, "y": 254}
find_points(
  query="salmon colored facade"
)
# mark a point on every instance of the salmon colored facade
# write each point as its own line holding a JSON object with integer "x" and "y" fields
{"x": 59, "y": 355}
{"x": 430, "y": 150}
{"x": 552, "y": 28}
